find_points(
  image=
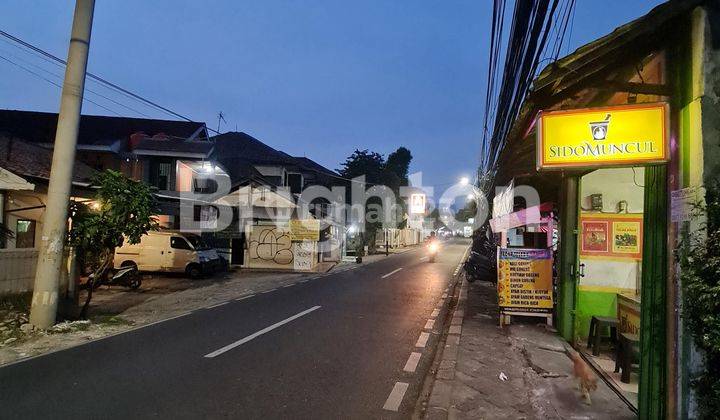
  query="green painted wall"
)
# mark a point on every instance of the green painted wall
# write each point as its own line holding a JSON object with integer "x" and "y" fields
{"x": 591, "y": 303}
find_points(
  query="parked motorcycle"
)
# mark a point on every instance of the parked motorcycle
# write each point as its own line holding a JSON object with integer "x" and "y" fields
{"x": 480, "y": 267}
{"x": 128, "y": 276}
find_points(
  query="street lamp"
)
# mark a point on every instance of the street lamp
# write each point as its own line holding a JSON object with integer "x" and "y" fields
{"x": 464, "y": 180}
{"x": 470, "y": 197}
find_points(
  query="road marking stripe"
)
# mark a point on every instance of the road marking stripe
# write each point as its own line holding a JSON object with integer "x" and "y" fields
{"x": 423, "y": 258}
{"x": 269, "y": 291}
{"x": 429, "y": 324}
{"x": 392, "y": 272}
{"x": 422, "y": 340}
{"x": 259, "y": 333}
{"x": 216, "y": 305}
{"x": 444, "y": 295}
{"x": 412, "y": 362}
{"x": 435, "y": 313}
{"x": 245, "y": 297}
{"x": 396, "y": 396}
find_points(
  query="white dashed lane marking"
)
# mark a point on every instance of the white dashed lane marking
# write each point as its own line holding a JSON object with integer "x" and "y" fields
{"x": 391, "y": 273}
{"x": 396, "y": 396}
{"x": 216, "y": 305}
{"x": 430, "y": 324}
{"x": 422, "y": 340}
{"x": 259, "y": 333}
{"x": 412, "y": 362}
{"x": 435, "y": 313}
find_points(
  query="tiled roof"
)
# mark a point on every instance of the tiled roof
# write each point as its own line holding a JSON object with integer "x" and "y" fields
{"x": 200, "y": 148}
{"x": 241, "y": 145}
{"x": 95, "y": 130}
{"x": 32, "y": 161}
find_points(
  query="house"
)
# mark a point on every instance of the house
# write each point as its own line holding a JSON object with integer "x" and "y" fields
{"x": 166, "y": 154}
{"x": 266, "y": 188}
{"x": 24, "y": 177}
{"x": 25, "y": 173}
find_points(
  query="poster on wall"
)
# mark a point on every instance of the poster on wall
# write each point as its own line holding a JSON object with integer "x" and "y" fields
{"x": 525, "y": 281}
{"x": 611, "y": 236}
{"x": 594, "y": 236}
{"x": 303, "y": 251}
{"x": 626, "y": 237}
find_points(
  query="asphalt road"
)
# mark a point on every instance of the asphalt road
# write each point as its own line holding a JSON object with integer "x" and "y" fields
{"x": 335, "y": 346}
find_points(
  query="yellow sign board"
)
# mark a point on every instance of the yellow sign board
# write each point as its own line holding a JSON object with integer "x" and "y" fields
{"x": 525, "y": 279}
{"x": 612, "y": 136}
{"x": 304, "y": 230}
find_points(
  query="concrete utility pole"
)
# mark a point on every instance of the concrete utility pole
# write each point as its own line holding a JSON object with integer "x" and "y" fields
{"x": 47, "y": 275}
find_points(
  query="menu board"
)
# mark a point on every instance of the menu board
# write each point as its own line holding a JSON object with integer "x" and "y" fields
{"x": 525, "y": 280}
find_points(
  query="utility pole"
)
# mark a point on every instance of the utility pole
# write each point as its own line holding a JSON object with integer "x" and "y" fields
{"x": 50, "y": 258}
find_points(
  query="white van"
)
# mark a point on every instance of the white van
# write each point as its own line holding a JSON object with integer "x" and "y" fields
{"x": 169, "y": 251}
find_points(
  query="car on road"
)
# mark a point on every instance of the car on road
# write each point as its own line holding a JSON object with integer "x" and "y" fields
{"x": 172, "y": 252}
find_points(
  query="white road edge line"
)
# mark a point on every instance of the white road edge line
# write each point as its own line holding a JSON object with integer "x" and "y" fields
{"x": 392, "y": 272}
{"x": 430, "y": 324}
{"x": 259, "y": 333}
{"x": 217, "y": 304}
{"x": 423, "y": 258}
{"x": 422, "y": 340}
{"x": 412, "y": 362}
{"x": 435, "y": 313}
{"x": 245, "y": 297}
{"x": 396, "y": 396}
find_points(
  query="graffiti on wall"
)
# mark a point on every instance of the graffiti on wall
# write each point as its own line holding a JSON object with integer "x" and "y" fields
{"x": 271, "y": 244}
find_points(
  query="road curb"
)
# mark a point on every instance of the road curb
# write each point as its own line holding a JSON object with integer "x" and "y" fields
{"x": 440, "y": 382}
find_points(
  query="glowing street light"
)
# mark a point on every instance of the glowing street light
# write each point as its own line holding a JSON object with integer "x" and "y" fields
{"x": 464, "y": 180}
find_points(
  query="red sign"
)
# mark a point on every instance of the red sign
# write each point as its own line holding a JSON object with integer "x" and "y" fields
{"x": 594, "y": 236}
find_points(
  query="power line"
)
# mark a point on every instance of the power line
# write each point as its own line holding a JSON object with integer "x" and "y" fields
{"x": 61, "y": 78}
{"x": 53, "y": 83}
{"x": 95, "y": 77}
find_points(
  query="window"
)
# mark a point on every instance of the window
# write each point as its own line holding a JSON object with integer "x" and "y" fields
{"x": 178, "y": 242}
{"x": 25, "y": 234}
{"x": 204, "y": 185}
{"x": 160, "y": 174}
{"x": 295, "y": 182}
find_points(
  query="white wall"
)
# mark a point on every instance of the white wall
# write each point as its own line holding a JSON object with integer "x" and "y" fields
{"x": 615, "y": 185}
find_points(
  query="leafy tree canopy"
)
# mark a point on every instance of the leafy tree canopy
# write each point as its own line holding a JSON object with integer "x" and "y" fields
{"x": 122, "y": 208}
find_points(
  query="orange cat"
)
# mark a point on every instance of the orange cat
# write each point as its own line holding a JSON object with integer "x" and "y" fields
{"x": 587, "y": 381}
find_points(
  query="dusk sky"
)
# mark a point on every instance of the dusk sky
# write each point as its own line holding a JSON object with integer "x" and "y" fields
{"x": 314, "y": 78}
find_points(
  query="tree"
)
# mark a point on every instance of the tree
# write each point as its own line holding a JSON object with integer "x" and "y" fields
{"x": 363, "y": 162}
{"x": 124, "y": 209}
{"x": 398, "y": 163}
{"x": 392, "y": 173}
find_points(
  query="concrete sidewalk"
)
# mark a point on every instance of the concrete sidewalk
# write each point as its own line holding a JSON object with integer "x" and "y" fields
{"x": 516, "y": 372}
